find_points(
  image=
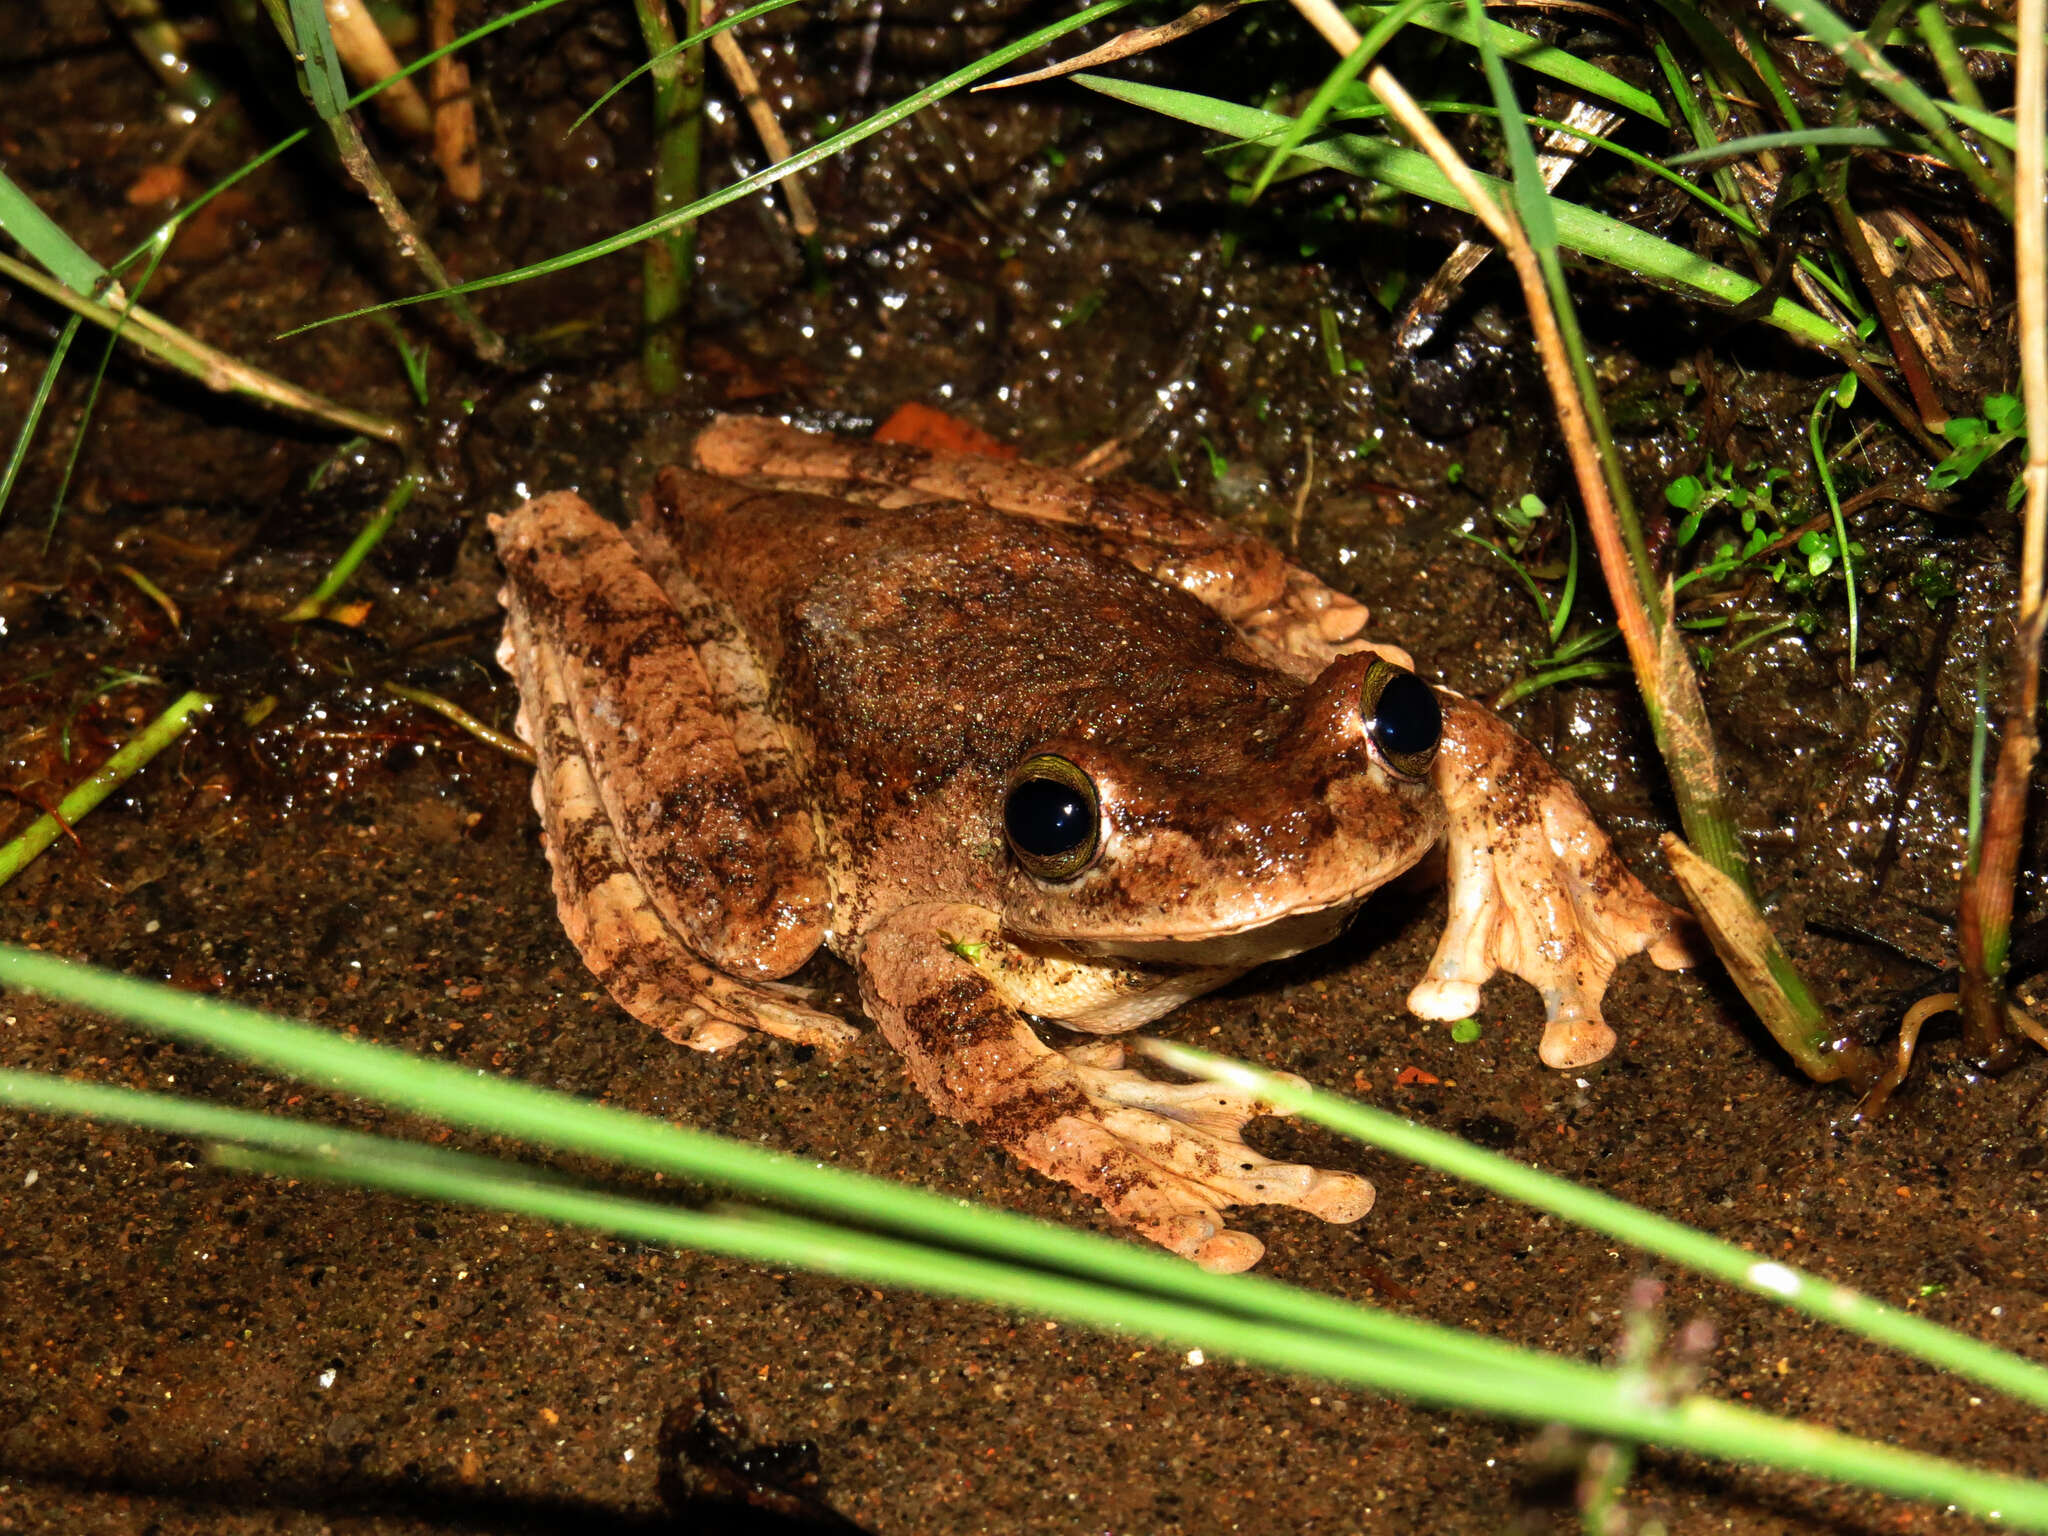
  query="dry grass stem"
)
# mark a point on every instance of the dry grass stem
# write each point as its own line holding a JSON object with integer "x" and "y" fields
{"x": 1663, "y": 672}
{"x": 189, "y": 355}
{"x": 368, "y": 58}
{"x": 803, "y": 217}
{"x": 1125, "y": 45}
{"x": 454, "y": 112}
{"x": 1985, "y": 917}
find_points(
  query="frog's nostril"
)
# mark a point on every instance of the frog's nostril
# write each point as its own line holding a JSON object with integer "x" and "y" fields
{"x": 1402, "y": 716}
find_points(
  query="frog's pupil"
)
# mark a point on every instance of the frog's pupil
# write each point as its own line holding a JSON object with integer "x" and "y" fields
{"x": 1407, "y": 721}
{"x": 1046, "y": 818}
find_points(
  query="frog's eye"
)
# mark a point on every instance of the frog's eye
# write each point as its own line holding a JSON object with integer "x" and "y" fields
{"x": 1052, "y": 817}
{"x": 1402, "y": 717}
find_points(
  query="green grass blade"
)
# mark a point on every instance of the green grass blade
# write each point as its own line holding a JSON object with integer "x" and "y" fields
{"x": 1642, "y": 1229}
{"x": 1711, "y": 41}
{"x": 1320, "y": 105}
{"x": 1450, "y": 19}
{"x": 726, "y": 24}
{"x": 83, "y": 797}
{"x": 1578, "y": 228}
{"x": 747, "y": 186}
{"x": 314, "y": 41}
{"x": 25, "y": 434}
{"x": 45, "y": 241}
{"x": 341, "y": 1156}
{"x": 1992, "y": 126}
{"x": 1882, "y": 76}
{"x": 1531, "y": 199}
{"x": 556, "y": 1120}
{"x": 367, "y": 538}
{"x": 1523, "y": 1384}
{"x": 1799, "y": 138}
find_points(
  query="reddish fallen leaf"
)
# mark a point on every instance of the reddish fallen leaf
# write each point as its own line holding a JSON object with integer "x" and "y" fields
{"x": 1410, "y": 1077}
{"x": 922, "y": 426}
{"x": 161, "y": 184}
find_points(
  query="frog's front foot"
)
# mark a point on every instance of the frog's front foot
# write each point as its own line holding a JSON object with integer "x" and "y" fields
{"x": 1167, "y": 1158}
{"x": 1536, "y": 890}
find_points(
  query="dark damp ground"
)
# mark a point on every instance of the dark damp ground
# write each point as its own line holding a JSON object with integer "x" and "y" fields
{"x": 188, "y": 1349}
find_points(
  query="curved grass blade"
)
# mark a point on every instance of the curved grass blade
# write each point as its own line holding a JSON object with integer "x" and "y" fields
{"x": 1448, "y": 17}
{"x": 1579, "y": 228}
{"x": 1599, "y": 1212}
{"x": 1882, "y": 76}
{"x": 1801, "y": 138}
{"x": 559, "y": 1121}
{"x": 1320, "y": 105}
{"x": 747, "y": 186}
{"x": 1404, "y": 1360}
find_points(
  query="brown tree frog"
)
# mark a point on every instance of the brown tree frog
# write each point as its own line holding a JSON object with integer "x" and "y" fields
{"x": 1017, "y": 747}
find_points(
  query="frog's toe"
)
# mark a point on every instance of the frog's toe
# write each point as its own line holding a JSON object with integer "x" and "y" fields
{"x": 713, "y": 1036}
{"x": 1190, "y": 1133}
{"x": 1432, "y": 998}
{"x": 1577, "y": 1042}
{"x": 1229, "y": 1253}
{"x": 1675, "y": 950}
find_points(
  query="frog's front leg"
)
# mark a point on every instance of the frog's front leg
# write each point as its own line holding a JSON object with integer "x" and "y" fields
{"x": 1167, "y": 1158}
{"x": 1537, "y": 890}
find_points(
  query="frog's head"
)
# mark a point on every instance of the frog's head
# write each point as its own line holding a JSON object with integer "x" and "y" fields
{"x": 1236, "y": 841}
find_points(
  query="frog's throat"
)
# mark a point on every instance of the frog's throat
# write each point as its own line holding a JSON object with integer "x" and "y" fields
{"x": 1237, "y": 948}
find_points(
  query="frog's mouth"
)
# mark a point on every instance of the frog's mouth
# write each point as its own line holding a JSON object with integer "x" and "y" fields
{"x": 1248, "y": 944}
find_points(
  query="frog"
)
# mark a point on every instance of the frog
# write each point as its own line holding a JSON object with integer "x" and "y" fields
{"x": 1041, "y": 759}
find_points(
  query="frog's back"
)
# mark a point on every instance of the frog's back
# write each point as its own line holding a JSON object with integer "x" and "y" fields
{"x": 924, "y": 640}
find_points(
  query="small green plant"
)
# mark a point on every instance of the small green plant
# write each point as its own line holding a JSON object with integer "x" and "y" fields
{"x": 1756, "y": 534}
{"x": 1524, "y": 530}
{"x": 1976, "y": 440}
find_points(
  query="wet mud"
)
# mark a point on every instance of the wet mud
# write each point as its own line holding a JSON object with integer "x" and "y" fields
{"x": 191, "y": 1349}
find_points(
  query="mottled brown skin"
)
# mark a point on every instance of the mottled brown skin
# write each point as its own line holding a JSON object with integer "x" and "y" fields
{"x": 923, "y": 653}
{"x": 815, "y": 705}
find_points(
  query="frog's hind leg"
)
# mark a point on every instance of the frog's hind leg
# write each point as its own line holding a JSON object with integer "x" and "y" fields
{"x": 1537, "y": 890}
{"x": 606, "y": 905}
{"x": 1284, "y": 611}
{"x": 1168, "y": 1158}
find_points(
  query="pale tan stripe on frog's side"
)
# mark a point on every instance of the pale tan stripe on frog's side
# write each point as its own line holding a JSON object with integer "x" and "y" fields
{"x": 748, "y": 897}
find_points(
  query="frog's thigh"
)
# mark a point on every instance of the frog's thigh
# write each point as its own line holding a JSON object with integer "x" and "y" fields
{"x": 1536, "y": 890}
{"x": 1166, "y": 1157}
{"x": 1282, "y": 609}
{"x": 605, "y": 909}
{"x": 739, "y": 686}
{"x": 740, "y": 884}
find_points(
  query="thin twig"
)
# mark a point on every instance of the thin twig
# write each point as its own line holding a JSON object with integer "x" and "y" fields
{"x": 803, "y": 218}
{"x": 448, "y": 709}
{"x": 1985, "y": 919}
{"x": 454, "y": 111}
